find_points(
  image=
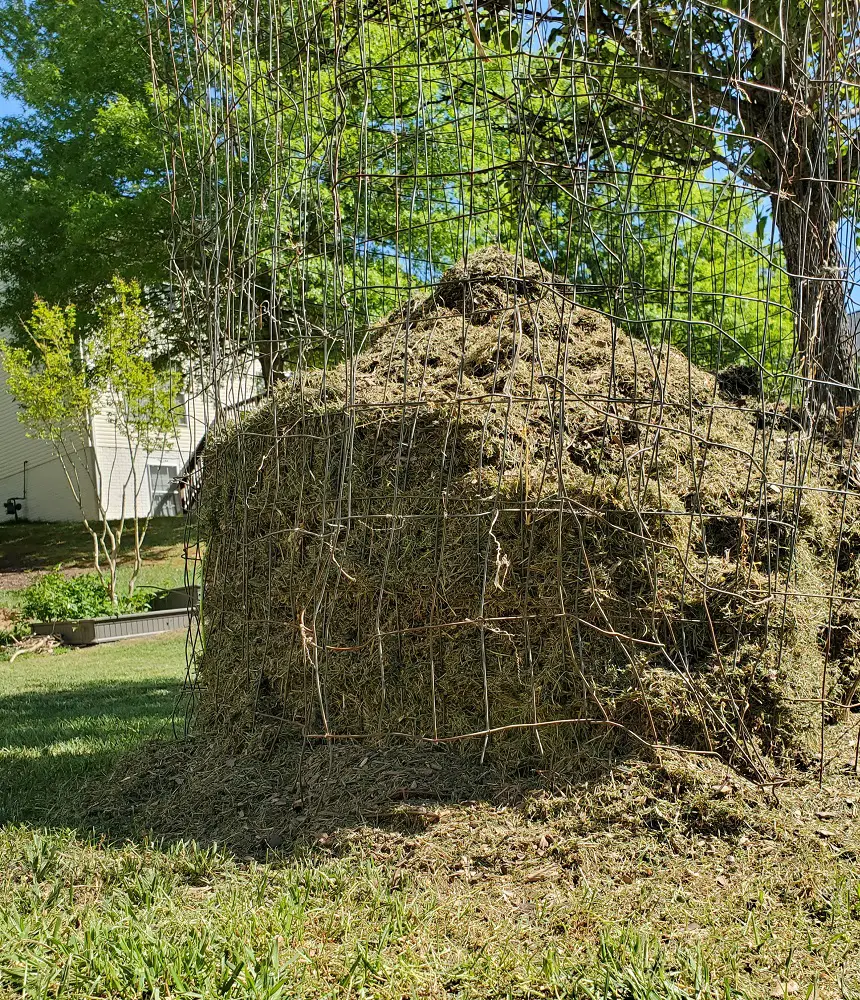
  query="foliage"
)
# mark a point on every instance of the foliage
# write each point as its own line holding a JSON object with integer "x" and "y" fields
{"x": 61, "y": 382}
{"x": 318, "y": 258}
{"x": 53, "y": 394}
{"x": 347, "y": 223}
{"x": 707, "y": 81}
{"x": 56, "y": 597}
{"x": 311, "y": 251}
{"x": 692, "y": 267}
{"x": 130, "y": 387}
{"x": 12, "y": 629}
{"x": 737, "y": 87}
{"x": 82, "y": 173}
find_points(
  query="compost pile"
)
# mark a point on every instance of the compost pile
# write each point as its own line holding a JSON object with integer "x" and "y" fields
{"x": 508, "y": 518}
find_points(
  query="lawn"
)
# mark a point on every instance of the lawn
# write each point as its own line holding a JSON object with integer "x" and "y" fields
{"x": 611, "y": 892}
{"x": 43, "y": 545}
{"x": 64, "y": 717}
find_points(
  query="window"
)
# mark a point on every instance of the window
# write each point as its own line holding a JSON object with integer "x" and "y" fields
{"x": 180, "y": 409}
{"x": 163, "y": 490}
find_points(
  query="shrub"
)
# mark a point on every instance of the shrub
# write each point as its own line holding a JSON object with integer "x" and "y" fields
{"x": 54, "y": 597}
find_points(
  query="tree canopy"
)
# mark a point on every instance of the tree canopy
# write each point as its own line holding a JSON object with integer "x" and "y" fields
{"x": 765, "y": 89}
{"x": 82, "y": 177}
{"x": 323, "y": 169}
{"x": 60, "y": 384}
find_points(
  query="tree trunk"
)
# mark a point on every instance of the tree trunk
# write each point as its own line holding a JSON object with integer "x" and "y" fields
{"x": 112, "y": 581}
{"x": 265, "y": 359}
{"x": 806, "y": 211}
{"x": 824, "y": 342}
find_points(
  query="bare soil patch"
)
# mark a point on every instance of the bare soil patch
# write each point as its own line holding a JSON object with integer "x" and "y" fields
{"x": 20, "y": 579}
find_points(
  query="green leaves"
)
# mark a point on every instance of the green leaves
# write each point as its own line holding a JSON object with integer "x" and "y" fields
{"x": 82, "y": 175}
{"x": 62, "y": 380}
{"x": 49, "y": 382}
{"x": 500, "y": 34}
{"x": 136, "y": 395}
{"x": 56, "y": 597}
{"x": 695, "y": 264}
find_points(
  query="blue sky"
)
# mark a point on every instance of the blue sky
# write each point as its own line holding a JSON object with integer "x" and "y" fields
{"x": 8, "y": 106}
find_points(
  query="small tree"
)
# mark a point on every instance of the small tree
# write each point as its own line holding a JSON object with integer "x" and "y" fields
{"x": 63, "y": 381}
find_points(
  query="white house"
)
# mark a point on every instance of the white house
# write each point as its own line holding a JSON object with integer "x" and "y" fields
{"x": 33, "y": 478}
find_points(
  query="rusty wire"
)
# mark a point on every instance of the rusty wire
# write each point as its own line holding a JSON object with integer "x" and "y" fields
{"x": 330, "y": 161}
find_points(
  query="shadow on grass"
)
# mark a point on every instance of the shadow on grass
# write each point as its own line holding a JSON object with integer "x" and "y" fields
{"x": 44, "y": 544}
{"x": 54, "y": 744}
{"x": 103, "y": 758}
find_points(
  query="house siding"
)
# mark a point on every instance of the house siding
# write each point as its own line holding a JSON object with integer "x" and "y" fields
{"x": 106, "y": 457}
{"x": 118, "y": 466}
{"x": 49, "y": 497}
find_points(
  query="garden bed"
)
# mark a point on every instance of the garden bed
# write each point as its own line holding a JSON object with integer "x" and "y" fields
{"x": 172, "y": 610}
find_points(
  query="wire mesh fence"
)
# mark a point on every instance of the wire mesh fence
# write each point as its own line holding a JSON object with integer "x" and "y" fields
{"x": 549, "y": 310}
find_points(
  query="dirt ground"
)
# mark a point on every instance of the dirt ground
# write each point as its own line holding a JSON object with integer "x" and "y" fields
{"x": 19, "y": 579}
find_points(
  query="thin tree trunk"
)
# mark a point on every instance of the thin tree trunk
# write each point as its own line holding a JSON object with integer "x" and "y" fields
{"x": 265, "y": 358}
{"x": 114, "y": 597}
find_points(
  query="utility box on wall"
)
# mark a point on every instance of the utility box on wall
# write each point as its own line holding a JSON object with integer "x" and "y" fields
{"x": 14, "y": 507}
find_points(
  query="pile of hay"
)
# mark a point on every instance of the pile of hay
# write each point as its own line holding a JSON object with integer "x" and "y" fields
{"x": 507, "y": 513}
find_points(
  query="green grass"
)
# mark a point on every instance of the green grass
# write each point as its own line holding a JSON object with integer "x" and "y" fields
{"x": 65, "y": 717}
{"x": 10, "y": 599}
{"x": 476, "y": 906}
{"x": 43, "y": 545}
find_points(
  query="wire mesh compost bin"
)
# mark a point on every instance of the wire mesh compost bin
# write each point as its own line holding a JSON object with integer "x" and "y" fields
{"x": 549, "y": 309}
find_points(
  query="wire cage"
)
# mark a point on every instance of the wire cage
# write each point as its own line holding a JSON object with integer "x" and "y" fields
{"x": 547, "y": 313}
